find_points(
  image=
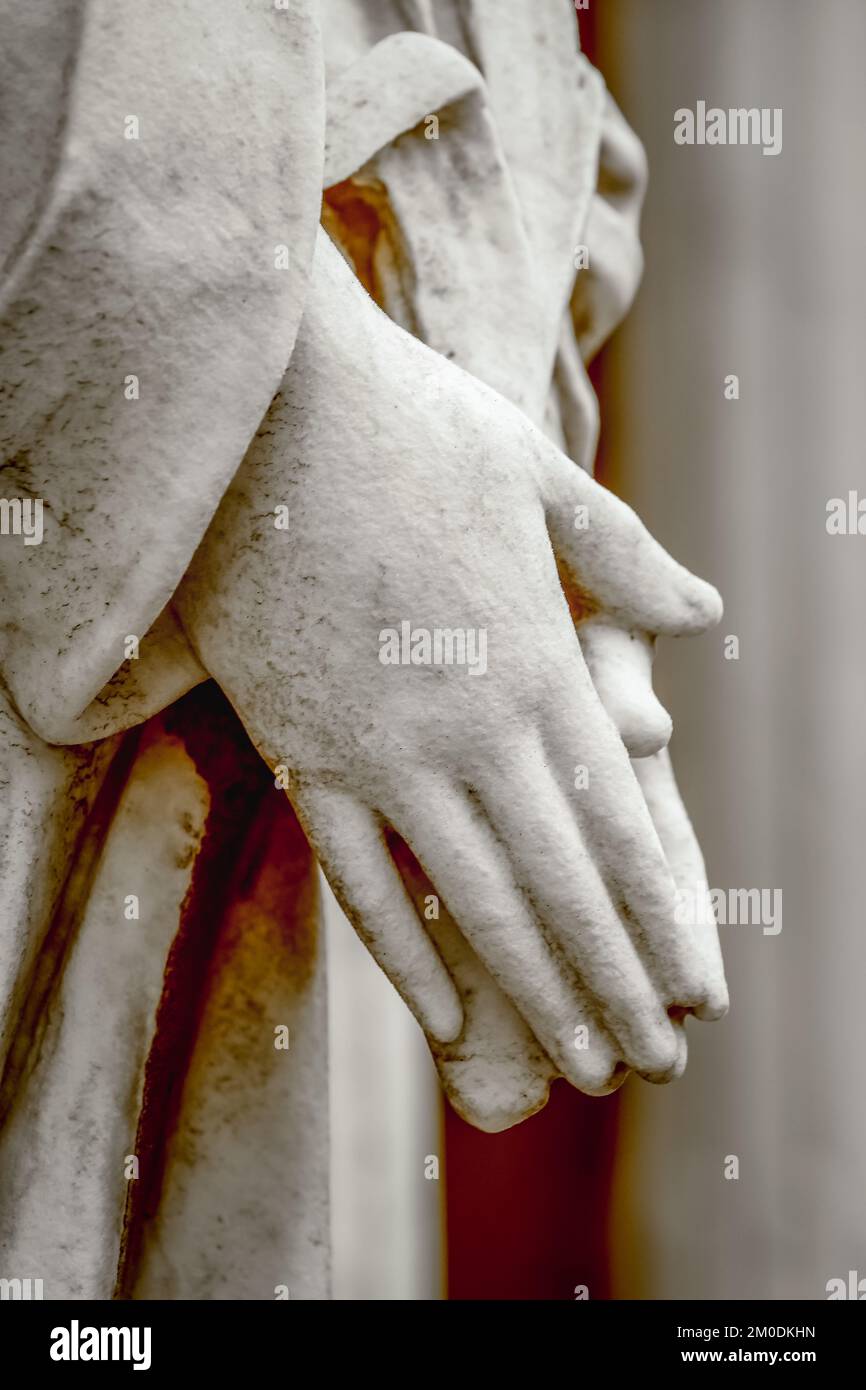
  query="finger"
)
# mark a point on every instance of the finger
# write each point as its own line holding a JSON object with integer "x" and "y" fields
{"x": 620, "y": 664}
{"x": 349, "y": 842}
{"x": 495, "y": 1073}
{"x": 678, "y": 1022}
{"x": 469, "y": 869}
{"x": 683, "y": 853}
{"x": 639, "y": 873}
{"x": 606, "y": 554}
{"x": 619, "y": 833}
{"x": 552, "y": 864}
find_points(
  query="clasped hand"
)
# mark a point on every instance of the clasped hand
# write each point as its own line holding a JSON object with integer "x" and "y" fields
{"x": 417, "y": 495}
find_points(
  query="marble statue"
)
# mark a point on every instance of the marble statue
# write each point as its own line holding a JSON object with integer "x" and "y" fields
{"x": 297, "y": 305}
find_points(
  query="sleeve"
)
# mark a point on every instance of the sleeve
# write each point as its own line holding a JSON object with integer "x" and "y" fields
{"x": 153, "y": 272}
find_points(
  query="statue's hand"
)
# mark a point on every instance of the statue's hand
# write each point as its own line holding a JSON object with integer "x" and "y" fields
{"x": 496, "y": 1073}
{"x": 419, "y": 497}
{"x": 620, "y": 663}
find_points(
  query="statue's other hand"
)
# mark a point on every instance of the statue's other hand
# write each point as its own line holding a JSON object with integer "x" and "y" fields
{"x": 620, "y": 663}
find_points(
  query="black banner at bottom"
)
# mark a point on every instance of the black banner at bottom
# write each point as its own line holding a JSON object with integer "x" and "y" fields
{"x": 159, "y": 1338}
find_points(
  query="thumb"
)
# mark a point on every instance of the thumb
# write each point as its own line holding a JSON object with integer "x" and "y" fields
{"x": 609, "y": 560}
{"x": 620, "y": 664}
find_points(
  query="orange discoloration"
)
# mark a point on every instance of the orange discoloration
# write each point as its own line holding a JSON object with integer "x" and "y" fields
{"x": 247, "y": 935}
{"x": 357, "y": 216}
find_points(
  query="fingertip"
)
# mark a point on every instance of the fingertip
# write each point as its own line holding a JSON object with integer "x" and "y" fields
{"x": 703, "y": 606}
{"x": 714, "y": 1007}
{"x": 645, "y": 728}
{"x": 595, "y": 1070}
{"x": 492, "y": 1108}
{"x": 665, "y": 1075}
{"x": 690, "y": 606}
{"x": 441, "y": 1016}
{"x": 704, "y": 994}
{"x": 664, "y": 1055}
{"x": 610, "y": 1082}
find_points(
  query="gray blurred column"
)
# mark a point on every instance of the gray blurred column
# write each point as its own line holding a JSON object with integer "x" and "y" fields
{"x": 386, "y": 1214}
{"x": 755, "y": 266}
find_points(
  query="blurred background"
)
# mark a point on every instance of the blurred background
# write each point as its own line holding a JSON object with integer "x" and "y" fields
{"x": 754, "y": 267}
